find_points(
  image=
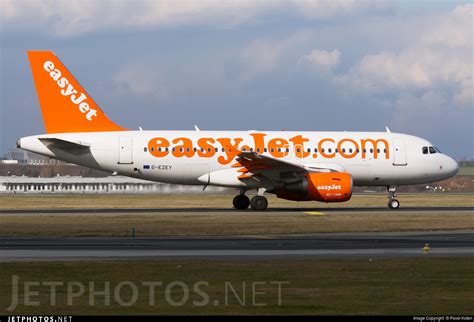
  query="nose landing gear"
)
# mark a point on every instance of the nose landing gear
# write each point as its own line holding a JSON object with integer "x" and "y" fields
{"x": 392, "y": 202}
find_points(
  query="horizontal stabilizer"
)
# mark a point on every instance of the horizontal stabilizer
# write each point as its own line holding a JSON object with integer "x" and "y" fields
{"x": 64, "y": 144}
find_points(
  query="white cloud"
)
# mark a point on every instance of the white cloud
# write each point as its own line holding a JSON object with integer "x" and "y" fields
{"x": 141, "y": 81}
{"x": 266, "y": 55}
{"x": 454, "y": 29}
{"x": 322, "y": 59}
{"x": 69, "y": 18}
{"x": 331, "y": 8}
{"x": 438, "y": 59}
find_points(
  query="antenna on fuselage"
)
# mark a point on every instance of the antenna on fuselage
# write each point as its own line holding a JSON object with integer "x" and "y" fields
{"x": 388, "y": 130}
{"x": 196, "y": 128}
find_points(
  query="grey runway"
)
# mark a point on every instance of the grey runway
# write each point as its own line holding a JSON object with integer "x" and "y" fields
{"x": 340, "y": 245}
{"x": 228, "y": 211}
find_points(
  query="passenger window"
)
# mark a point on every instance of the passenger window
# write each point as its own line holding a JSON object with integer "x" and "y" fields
{"x": 152, "y": 149}
{"x": 425, "y": 150}
{"x": 315, "y": 150}
{"x": 378, "y": 150}
{"x": 329, "y": 150}
{"x": 371, "y": 150}
{"x": 145, "y": 149}
{"x": 216, "y": 150}
{"x": 432, "y": 150}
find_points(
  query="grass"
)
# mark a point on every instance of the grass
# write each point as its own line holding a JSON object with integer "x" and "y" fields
{"x": 159, "y": 224}
{"x": 214, "y": 201}
{"x": 466, "y": 171}
{"x": 192, "y": 222}
{"x": 423, "y": 286}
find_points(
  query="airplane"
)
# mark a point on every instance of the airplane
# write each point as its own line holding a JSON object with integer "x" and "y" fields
{"x": 293, "y": 165}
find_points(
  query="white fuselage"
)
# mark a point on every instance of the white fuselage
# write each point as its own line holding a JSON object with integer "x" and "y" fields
{"x": 206, "y": 157}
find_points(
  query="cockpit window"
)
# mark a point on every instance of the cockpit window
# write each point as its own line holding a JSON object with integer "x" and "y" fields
{"x": 430, "y": 150}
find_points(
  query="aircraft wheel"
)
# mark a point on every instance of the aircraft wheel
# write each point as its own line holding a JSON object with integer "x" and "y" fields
{"x": 259, "y": 203}
{"x": 394, "y": 204}
{"x": 241, "y": 202}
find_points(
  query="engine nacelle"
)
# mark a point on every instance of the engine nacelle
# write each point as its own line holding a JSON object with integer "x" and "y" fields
{"x": 325, "y": 187}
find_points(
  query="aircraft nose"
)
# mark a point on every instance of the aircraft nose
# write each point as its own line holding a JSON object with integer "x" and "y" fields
{"x": 451, "y": 167}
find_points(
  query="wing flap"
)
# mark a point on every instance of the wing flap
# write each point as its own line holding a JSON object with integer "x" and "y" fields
{"x": 251, "y": 165}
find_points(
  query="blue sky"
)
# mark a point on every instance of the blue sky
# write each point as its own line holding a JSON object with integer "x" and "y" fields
{"x": 240, "y": 65}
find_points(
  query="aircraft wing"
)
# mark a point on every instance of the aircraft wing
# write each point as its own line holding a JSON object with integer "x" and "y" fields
{"x": 252, "y": 165}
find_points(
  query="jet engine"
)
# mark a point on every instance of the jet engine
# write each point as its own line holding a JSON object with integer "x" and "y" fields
{"x": 325, "y": 187}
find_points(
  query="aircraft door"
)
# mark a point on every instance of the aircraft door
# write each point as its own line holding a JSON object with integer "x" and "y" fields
{"x": 125, "y": 150}
{"x": 399, "y": 152}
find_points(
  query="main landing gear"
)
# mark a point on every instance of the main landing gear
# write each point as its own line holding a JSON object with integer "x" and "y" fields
{"x": 257, "y": 202}
{"x": 392, "y": 202}
{"x": 241, "y": 202}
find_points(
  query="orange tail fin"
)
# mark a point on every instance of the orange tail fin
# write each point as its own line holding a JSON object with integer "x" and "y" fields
{"x": 65, "y": 105}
